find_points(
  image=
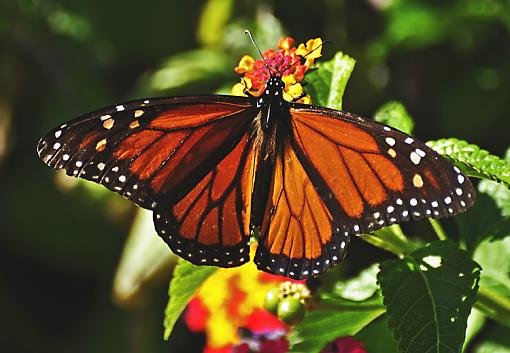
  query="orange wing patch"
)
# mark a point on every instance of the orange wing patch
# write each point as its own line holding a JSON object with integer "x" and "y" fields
{"x": 339, "y": 132}
{"x": 182, "y": 116}
{"x": 210, "y": 217}
{"x": 366, "y": 180}
{"x": 329, "y": 162}
{"x": 297, "y": 227}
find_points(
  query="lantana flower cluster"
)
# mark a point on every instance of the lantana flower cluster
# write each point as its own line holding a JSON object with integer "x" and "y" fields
{"x": 290, "y": 62}
{"x": 231, "y": 299}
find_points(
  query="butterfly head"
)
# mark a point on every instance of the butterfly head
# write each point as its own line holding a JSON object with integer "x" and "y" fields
{"x": 274, "y": 87}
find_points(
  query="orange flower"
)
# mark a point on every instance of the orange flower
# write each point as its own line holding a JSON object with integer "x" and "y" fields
{"x": 286, "y": 61}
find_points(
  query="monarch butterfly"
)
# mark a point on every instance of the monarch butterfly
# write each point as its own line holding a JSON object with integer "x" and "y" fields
{"x": 215, "y": 167}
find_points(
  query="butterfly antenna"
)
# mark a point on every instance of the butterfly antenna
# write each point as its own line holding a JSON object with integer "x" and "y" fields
{"x": 258, "y": 49}
{"x": 304, "y": 56}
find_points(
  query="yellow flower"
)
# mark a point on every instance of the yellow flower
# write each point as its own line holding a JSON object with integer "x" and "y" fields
{"x": 313, "y": 49}
{"x": 245, "y": 65}
{"x": 230, "y": 296}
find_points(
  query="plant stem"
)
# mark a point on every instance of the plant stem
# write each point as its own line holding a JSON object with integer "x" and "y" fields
{"x": 494, "y": 305}
{"x": 441, "y": 234}
{"x": 391, "y": 239}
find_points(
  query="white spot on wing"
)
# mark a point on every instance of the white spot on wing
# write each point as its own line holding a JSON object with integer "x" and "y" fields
{"x": 390, "y": 141}
{"x": 420, "y": 152}
{"x": 415, "y": 158}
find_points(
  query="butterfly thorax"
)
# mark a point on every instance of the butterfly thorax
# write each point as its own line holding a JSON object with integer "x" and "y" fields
{"x": 271, "y": 103}
{"x": 271, "y": 110}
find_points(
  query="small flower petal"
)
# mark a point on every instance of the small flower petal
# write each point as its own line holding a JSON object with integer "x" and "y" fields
{"x": 285, "y": 43}
{"x": 313, "y": 49}
{"x": 238, "y": 89}
{"x": 245, "y": 65}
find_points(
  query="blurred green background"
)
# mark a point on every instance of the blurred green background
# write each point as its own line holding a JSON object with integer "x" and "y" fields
{"x": 60, "y": 243}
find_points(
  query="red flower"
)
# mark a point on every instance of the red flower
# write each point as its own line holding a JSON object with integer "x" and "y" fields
{"x": 345, "y": 344}
{"x": 196, "y": 315}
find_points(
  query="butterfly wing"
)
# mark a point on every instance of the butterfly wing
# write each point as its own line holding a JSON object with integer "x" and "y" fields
{"x": 298, "y": 237}
{"x": 149, "y": 151}
{"x": 364, "y": 175}
{"x": 377, "y": 175}
{"x": 211, "y": 224}
{"x": 189, "y": 159}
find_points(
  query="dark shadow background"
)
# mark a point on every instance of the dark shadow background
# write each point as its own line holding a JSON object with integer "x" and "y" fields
{"x": 447, "y": 61}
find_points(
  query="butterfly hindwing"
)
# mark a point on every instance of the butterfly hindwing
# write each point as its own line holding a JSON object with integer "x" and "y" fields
{"x": 148, "y": 150}
{"x": 211, "y": 224}
{"x": 298, "y": 237}
{"x": 376, "y": 174}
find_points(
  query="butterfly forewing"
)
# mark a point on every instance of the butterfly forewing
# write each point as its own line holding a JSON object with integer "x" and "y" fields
{"x": 149, "y": 150}
{"x": 376, "y": 174}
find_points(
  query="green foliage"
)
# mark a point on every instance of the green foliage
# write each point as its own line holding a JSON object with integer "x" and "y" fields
{"x": 188, "y": 68}
{"x": 395, "y": 115}
{"x": 377, "y": 337}
{"x": 335, "y": 317}
{"x": 473, "y": 160}
{"x": 186, "y": 281}
{"x": 483, "y": 221}
{"x": 327, "y": 84}
{"x": 429, "y": 295}
{"x": 496, "y": 341}
{"x": 494, "y": 257}
{"x": 499, "y": 193}
{"x": 359, "y": 288}
{"x": 213, "y": 20}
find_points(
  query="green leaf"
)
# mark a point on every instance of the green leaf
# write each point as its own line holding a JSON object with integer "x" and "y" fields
{"x": 186, "y": 280}
{"x": 213, "y": 20}
{"x": 192, "y": 67}
{"x": 499, "y": 193}
{"x": 376, "y": 337}
{"x": 473, "y": 160}
{"x": 497, "y": 340}
{"x": 361, "y": 287}
{"x": 144, "y": 258}
{"x": 480, "y": 222}
{"x": 391, "y": 239}
{"x": 475, "y": 323}
{"x": 335, "y": 318}
{"x": 494, "y": 257}
{"x": 395, "y": 115}
{"x": 429, "y": 295}
{"x": 327, "y": 85}
{"x": 489, "y": 218}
